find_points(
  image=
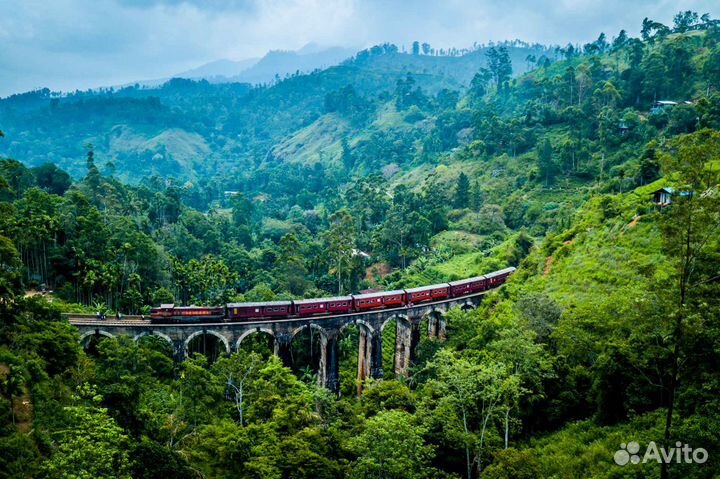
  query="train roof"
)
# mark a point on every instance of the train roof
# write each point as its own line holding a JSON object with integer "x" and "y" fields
{"x": 380, "y": 293}
{"x": 499, "y": 272}
{"x": 193, "y": 306}
{"x": 322, "y": 300}
{"x": 167, "y": 306}
{"x": 460, "y": 282}
{"x": 426, "y": 288}
{"x": 259, "y": 304}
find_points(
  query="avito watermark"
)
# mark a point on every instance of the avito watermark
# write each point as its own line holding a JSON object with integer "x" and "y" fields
{"x": 629, "y": 453}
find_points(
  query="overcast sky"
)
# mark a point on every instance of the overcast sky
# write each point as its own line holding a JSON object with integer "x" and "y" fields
{"x": 69, "y": 44}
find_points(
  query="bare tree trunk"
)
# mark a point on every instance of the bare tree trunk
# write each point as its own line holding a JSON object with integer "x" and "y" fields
{"x": 507, "y": 427}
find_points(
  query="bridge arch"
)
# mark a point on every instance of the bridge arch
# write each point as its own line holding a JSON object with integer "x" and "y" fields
{"x": 223, "y": 339}
{"x": 94, "y": 332}
{"x": 305, "y": 326}
{"x": 390, "y": 318}
{"x": 356, "y": 322}
{"x": 252, "y": 331}
{"x": 153, "y": 333}
{"x": 467, "y": 306}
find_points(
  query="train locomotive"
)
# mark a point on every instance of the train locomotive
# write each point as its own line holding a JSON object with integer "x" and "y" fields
{"x": 258, "y": 311}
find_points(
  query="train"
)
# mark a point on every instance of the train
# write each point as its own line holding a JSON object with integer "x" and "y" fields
{"x": 355, "y": 303}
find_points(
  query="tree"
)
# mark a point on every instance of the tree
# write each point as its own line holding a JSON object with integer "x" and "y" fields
{"x": 545, "y": 162}
{"x": 201, "y": 391}
{"x": 238, "y": 370}
{"x": 150, "y": 460}
{"x": 93, "y": 177}
{"x": 92, "y": 446}
{"x": 340, "y": 240}
{"x": 416, "y": 48}
{"x": 470, "y": 396}
{"x": 391, "y": 447}
{"x": 52, "y": 179}
{"x": 19, "y": 178}
{"x": 620, "y": 41}
{"x": 291, "y": 266}
{"x": 683, "y": 21}
{"x": 499, "y": 64}
{"x": 688, "y": 229}
{"x": 10, "y": 277}
{"x": 479, "y": 83}
{"x": 462, "y": 192}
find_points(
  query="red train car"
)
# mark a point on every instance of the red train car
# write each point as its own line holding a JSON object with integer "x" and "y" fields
{"x": 162, "y": 313}
{"x": 386, "y": 299}
{"x": 307, "y": 307}
{"x": 497, "y": 278}
{"x": 467, "y": 286}
{"x": 180, "y": 314}
{"x": 428, "y": 293}
{"x": 241, "y": 311}
{"x": 394, "y": 298}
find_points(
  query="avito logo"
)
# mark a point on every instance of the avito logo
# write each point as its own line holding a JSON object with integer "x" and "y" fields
{"x": 629, "y": 453}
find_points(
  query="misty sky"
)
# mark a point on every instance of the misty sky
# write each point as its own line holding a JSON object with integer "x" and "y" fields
{"x": 69, "y": 44}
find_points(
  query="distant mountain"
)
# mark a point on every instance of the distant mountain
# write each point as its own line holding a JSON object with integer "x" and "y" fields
{"x": 279, "y": 63}
{"x": 275, "y": 64}
{"x": 219, "y": 70}
{"x": 193, "y": 129}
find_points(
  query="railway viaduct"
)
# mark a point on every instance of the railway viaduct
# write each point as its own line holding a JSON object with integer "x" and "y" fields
{"x": 231, "y": 335}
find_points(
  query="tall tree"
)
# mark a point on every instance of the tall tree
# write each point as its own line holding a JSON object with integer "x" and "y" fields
{"x": 689, "y": 228}
{"x": 462, "y": 191}
{"x": 499, "y": 64}
{"x": 545, "y": 162}
{"x": 340, "y": 240}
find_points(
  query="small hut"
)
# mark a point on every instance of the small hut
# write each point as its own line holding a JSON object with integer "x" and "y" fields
{"x": 663, "y": 196}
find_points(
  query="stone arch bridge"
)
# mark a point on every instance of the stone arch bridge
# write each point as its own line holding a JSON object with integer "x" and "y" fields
{"x": 231, "y": 334}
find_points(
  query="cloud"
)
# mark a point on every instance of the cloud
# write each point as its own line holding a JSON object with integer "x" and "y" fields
{"x": 69, "y": 44}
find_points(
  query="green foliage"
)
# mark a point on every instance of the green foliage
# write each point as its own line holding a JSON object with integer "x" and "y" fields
{"x": 92, "y": 446}
{"x": 391, "y": 446}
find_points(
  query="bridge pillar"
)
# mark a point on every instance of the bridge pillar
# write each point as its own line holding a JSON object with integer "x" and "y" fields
{"x": 329, "y": 370}
{"x": 364, "y": 355}
{"x": 402, "y": 347}
{"x": 437, "y": 326}
{"x": 282, "y": 348}
{"x": 414, "y": 338}
{"x": 376, "y": 366}
{"x": 178, "y": 350}
{"x": 441, "y": 328}
{"x": 432, "y": 325}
